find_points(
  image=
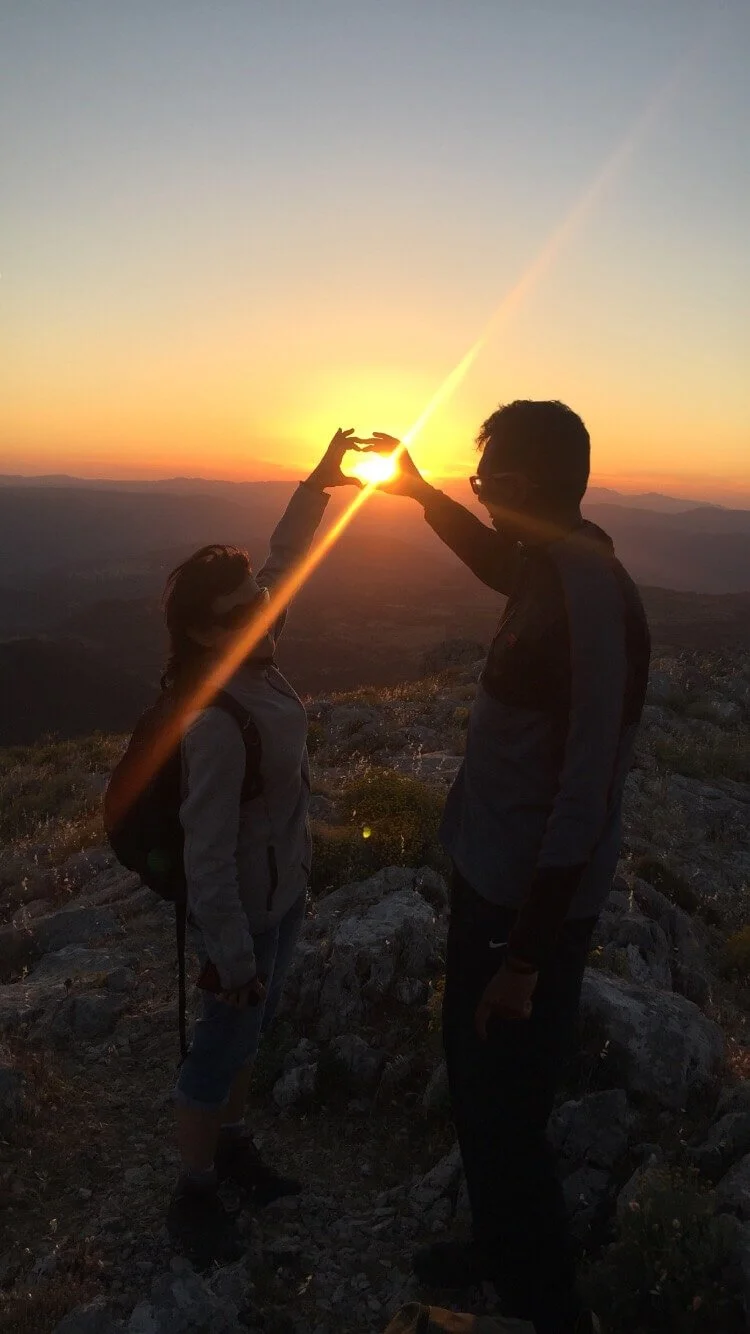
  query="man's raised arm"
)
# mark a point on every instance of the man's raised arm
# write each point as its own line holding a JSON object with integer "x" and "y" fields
{"x": 491, "y": 557}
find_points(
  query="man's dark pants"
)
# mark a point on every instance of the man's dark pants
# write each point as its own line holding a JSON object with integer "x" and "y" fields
{"x": 502, "y": 1092}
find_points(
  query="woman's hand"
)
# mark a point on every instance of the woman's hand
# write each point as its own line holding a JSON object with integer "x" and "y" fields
{"x": 407, "y": 480}
{"x": 329, "y": 472}
{"x": 243, "y": 997}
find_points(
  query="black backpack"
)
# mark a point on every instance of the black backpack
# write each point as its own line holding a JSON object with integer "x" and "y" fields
{"x": 142, "y": 806}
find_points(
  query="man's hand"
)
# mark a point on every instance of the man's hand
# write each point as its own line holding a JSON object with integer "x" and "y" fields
{"x": 243, "y": 997}
{"x": 329, "y": 471}
{"x": 507, "y": 996}
{"x": 408, "y": 480}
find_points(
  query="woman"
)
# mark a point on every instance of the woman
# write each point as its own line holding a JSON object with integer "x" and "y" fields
{"x": 247, "y": 864}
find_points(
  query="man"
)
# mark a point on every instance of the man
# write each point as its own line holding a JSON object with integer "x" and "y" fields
{"x": 532, "y": 826}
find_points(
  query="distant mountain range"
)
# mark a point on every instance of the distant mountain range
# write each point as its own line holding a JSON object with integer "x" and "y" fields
{"x": 82, "y": 568}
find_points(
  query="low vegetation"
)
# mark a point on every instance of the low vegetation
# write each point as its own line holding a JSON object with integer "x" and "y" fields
{"x": 669, "y": 1267}
{"x": 387, "y": 819}
{"x": 50, "y": 794}
{"x": 724, "y": 755}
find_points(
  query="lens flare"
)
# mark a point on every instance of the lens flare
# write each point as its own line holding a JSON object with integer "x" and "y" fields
{"x": 527, "y": 281}
{"x": 374, "y": 468}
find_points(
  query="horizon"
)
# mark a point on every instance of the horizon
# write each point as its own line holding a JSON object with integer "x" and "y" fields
{"x": 646, "y": 487}
{"x": 210, "y": 237}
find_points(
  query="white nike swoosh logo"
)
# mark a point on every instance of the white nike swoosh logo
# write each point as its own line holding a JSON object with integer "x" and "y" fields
{"x": 497, "y": 944}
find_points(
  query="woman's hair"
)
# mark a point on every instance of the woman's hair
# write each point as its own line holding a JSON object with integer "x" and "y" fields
{"x": 188, "y": 605}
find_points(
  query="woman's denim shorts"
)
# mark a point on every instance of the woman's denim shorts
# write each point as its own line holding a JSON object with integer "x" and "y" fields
{"x": 225, "y": 1040}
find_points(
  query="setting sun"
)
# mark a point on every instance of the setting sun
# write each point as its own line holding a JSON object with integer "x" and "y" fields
{"x": 373, "y": 468}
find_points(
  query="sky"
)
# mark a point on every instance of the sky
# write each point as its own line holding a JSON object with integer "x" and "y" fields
{"x": 229, "y": 226}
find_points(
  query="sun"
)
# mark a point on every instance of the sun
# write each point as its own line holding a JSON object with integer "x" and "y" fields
{"x": 373, "y": 468}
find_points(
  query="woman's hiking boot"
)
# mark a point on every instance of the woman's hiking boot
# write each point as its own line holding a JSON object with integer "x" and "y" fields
{"x": 239, "y": 1161}
{"x": 200, "y": 1227}
{"x": 451, "y": 1264}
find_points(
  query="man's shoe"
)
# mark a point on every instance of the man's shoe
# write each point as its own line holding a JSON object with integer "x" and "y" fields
{"x": 238, "y": 1160}
{"x": 451, "y": 1264}
{"x": 201, "y": 1229}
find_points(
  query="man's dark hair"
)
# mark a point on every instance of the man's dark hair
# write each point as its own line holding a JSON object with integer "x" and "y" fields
{"x": 188, "y": 597}
{"x": 546, "y": 441}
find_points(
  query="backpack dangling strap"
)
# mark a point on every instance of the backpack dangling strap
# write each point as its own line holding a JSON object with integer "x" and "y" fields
{"x": 180, "y": 917}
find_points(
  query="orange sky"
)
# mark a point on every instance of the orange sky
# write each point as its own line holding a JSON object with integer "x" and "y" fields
{"x": 206, "y": 275}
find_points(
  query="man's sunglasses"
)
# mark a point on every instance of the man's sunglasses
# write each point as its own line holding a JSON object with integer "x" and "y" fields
{"x": 241, "y": 614}
{"x": 487, "y": 486}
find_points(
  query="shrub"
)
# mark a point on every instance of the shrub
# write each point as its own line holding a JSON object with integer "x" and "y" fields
{"x": 46, "y": 790}
{"x": 668, "y": 1267}
{"x": 392, "y": 820}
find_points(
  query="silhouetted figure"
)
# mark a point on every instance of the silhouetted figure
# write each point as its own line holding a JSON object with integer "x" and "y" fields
{"x": 246, "y": 856}
{"x": 532, "y": 824}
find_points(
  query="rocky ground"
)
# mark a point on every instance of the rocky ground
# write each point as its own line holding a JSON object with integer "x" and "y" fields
{"x": 653, "y": 1129}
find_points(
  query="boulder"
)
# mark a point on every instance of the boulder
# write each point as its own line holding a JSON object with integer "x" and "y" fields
{"x": 442, "y": 1180}
{"x": 345, "y": 720}
{"x": 638, "y": 1184}
{"x": 436, "y": 1097}
{"x": 90, "y": 1017}
{"x": 72, "y": 926}
{"x": 586, "y": 1193}
{"x": 593, "y": 1130}
{"x": 733, "y": 1191}
{"x": 366, "y": 941}
{"x": 183, "y": 1302}
{"x": 734, "y": 1098}
{"x": 715, "y": 708}
{"x": 92, "y": 1318}
{"x": 727, "y": 1140}
{"x": 659, "y": 1045}
{"x": 630, "y": 939}
{"x": 663, "y": 690}
{"x": 76, "y": 963}
{"x": 82, "y": 867}
{"x": 296, "y": 1085}
{"x": 360, "y": 1062}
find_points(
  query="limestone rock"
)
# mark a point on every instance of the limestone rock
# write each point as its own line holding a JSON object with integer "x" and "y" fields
{"x": 660, "y": 1045}
{"x": 296, "y": 1085}
{"x": 183, "y": 1302}
{"x": 92, "y": 1318}
{"x": 639, "y": 943}
{"x": 727, "y": 1140}
{"x": 593, "y": 1130}
{"x": 734, "y": 1098}
{"x": 360, "y": 1062}
{"x": 366, "y": 940}
{"x": 444, "y": 1179}
{"x": 586, "y": 1192}
{"x": 436, "y": 1095}
{"x": 76, "y": 963}
{"x": 733, "y": 1191}
{"x": 90, "y": 1016}
{"x": 72, "y": 926}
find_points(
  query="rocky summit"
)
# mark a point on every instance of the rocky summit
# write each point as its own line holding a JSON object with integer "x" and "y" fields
{"x": 652, "y": 1130}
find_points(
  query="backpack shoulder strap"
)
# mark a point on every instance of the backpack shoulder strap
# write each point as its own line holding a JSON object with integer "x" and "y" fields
{"x": 253, "y": 782}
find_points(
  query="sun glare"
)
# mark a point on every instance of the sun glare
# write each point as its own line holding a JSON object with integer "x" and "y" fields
{"x": 373, "y": 468}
